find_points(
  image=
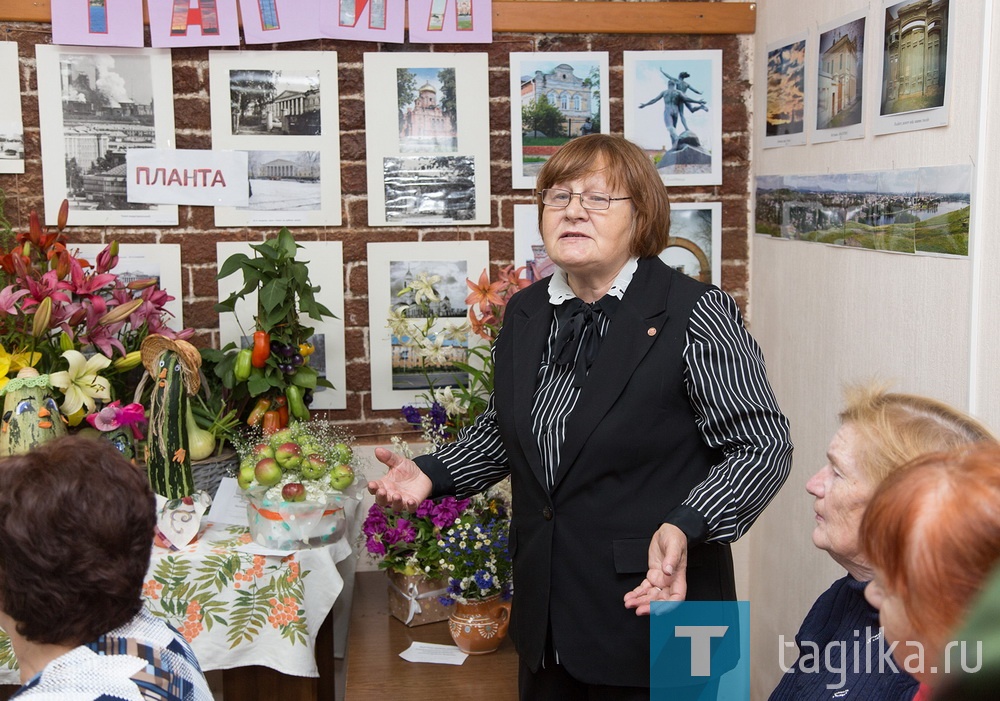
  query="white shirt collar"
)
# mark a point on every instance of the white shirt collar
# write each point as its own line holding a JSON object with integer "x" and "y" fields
{"x": 560, "y": 291}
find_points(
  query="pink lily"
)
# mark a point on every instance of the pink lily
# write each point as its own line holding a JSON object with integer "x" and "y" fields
{"x": 8, "y": 298}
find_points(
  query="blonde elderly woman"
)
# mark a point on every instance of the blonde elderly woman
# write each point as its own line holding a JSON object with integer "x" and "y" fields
{"x": 879, "y": 432}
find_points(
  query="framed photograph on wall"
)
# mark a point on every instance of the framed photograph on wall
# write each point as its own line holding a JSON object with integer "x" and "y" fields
{"x": 784, "y": 115}
{"x": 108, "y": 101}
{"x": 282, "y": 108}
{"x": 914, "y": 90}
{"x": 529, "y": 249}
{"x": 409, "y": 284}
{"x": 428, "y": 140}
{"x": 840, "y": 79}
{"x": 326, "y": 269}
{"x": 137, "y": 261}
{"x": 554, "y": 97}
{"x": 695, "y": 244}
{"x": 673, "y": 110}
{"x": 11, "y": 126}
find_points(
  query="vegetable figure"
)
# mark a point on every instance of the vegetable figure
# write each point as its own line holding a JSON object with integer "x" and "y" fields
{"x": 30, "y": 413}
{"x": 173, "y": 365}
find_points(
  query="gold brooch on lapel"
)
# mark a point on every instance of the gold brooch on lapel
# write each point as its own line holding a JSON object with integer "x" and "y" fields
{"x": 651, "y": 331}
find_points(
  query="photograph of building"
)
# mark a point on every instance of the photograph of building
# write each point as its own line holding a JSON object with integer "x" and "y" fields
{"x": 840, "y": 77}
{"x": 915, "y": 56}
{"x": 428, "y": 122}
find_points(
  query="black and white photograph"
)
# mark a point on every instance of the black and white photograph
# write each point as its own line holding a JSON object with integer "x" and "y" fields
{"x": 914, "y": 77}
{"x": 695, "y": 244}
{"x": 109, "y": 101}
{"x": 418, "y": 316}
{"x": 430, "y": 189}
{"x": 282, "y": 108}
{"x": 285, "y": 180}
{"x": 427, "y": 106}
{"x": 11, "y": 127}
{"x": 840, "y": 79}
{"x": 673, "y": 111}
{"x": 436, "y": 170}
{"x": 329, "y": 357}
{"x": 554, "y": 97}
{"x": 265, "y": 101}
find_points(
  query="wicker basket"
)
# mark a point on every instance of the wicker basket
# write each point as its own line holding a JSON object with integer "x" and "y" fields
{"x": 210, "y": 471}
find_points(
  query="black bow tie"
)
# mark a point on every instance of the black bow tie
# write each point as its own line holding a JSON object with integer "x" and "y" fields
{"x": 578, "y": 339}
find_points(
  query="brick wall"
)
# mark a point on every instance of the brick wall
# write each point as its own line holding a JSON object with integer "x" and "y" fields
{"x": 198, "y": 234}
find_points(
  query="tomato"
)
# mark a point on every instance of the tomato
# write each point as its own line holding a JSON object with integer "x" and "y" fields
{"x": 272, "y": 422}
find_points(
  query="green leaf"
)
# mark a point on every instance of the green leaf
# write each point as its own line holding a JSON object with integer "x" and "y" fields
{"x": 258, "y": 384}
{"x": 273, "y": 293}
{"x": 232, "y": 264}
{"x": 286, "y": 243}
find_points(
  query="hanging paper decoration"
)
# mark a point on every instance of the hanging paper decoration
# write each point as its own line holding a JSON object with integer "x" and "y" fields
{"x": 274, "y": 21}
{"x": 174, "y": 23}
{"x": 450, "y": 21}
{"x": 97, "y": 22}
{"x": 363, "y": 20}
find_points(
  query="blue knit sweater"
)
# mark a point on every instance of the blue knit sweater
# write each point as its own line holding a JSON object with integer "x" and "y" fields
{"x": 840, "y": 653}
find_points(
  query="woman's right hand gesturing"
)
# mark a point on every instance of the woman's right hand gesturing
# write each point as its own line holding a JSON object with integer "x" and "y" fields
{"x": 403, "y": 487}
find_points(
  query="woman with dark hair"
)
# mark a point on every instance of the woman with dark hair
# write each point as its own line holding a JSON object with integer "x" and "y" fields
{"x": 76, "y": 532}
{"x": 932, "y": 535}
{"x": 632, "y": 411}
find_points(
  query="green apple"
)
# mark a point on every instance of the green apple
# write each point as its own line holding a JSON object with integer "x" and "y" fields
{"x": 288, "y": 455}
{"x": 341, "y": 454}
{"x": 262, "y": 450}
{"x": 268, "y": 472}
{"x": 341, "y": 476}
{"x": 246, "y": 476}
{"x": 313, "y": 467}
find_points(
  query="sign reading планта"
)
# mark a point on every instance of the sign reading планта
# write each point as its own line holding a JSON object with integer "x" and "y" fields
{"x": 198, "y": 177}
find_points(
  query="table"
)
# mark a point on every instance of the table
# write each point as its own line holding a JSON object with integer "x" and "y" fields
{"x": 375, "y": 670}
{"x": 240, "y": 608}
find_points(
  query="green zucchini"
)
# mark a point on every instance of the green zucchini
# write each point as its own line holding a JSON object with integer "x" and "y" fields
{"x": 168, "y": 456}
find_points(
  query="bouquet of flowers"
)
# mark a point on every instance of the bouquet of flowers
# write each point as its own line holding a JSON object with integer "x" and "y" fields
{"x": 75, "y": 320}
{"x": 411, "y": 543}
{"x": 474, "y": 554}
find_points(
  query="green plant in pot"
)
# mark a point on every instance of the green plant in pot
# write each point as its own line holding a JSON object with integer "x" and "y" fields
{"x": 271, "y": 382}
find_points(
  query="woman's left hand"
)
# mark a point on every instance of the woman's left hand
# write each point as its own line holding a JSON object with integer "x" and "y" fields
{"x": 666, "y": 579}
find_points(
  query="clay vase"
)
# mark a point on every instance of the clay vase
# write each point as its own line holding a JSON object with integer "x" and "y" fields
{"x": 478, "y": 627}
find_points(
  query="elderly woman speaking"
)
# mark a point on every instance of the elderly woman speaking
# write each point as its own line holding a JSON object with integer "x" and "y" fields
{"x": 632, "y": 411}
{"x": 840, "y": 643}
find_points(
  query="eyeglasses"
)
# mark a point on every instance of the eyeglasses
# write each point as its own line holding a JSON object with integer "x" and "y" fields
{"x": 554, "y": 197}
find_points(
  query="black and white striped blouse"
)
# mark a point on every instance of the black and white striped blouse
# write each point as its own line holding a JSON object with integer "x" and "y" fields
{"x": 735, "y": 409}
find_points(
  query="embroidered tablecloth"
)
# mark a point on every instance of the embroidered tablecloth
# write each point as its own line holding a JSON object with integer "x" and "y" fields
{"x": 235, "y": 606}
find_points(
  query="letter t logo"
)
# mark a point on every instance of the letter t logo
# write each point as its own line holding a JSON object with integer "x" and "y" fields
{"x": 701, "y": 646}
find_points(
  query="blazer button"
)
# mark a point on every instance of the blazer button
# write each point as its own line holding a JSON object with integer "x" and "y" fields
{"x": 547, "y": 513}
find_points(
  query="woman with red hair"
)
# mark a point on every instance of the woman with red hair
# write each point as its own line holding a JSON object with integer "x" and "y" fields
{"x": 932, "y": 536}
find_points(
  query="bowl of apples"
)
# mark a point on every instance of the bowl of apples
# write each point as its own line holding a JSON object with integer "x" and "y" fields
{"x": 299, "y": 483}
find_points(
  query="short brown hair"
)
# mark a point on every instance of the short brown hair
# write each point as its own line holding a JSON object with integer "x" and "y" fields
{"x": 76, "y": 533}
{"x": 895, "y": 428}
{"x": 628, "y": 169}
{"x": 932, "y": 529}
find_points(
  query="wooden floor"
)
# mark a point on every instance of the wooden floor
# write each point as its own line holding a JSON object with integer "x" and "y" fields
{"x": 375, "y": 670}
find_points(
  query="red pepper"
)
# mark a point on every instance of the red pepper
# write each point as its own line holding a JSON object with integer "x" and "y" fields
{"x": 261, "y": 349}
{"x": 258, "y": 411}
{"x": 282, "y": 406}
{"x": 272, "y": 422}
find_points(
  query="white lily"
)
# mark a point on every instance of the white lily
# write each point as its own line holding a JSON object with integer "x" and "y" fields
{"x": 81, "y": 383}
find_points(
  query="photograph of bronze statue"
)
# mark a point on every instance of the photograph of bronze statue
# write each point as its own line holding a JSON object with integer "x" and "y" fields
{"x": 684, "y": 140}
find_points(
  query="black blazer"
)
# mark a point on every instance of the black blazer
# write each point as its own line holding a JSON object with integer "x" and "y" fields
{"x": 631, "y": 456}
